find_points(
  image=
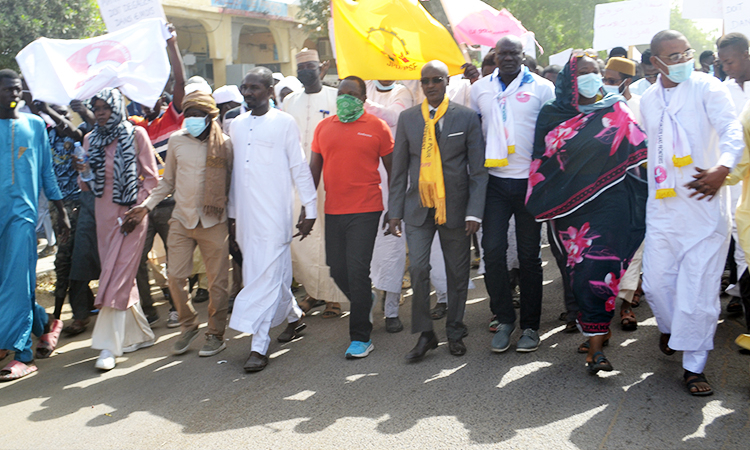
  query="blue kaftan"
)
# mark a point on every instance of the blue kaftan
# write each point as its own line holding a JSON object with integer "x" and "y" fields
{"x": 25, "y": 167}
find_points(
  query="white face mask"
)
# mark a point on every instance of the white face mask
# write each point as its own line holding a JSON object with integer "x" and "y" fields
{"x": 589, "y": 84}
{"x": 611, "y": 89}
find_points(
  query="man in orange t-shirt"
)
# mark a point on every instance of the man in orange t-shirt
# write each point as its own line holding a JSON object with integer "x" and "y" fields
{"x": 347, "y": 148}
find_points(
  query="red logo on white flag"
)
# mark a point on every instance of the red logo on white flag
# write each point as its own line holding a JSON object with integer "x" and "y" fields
{"x": 90, "y": 60}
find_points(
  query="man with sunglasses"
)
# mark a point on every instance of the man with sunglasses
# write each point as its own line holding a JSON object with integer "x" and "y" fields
{"x": 432, "y": 191}
{"x": 508, "y": 102}
{"x": 649, "y": 75}
{"x": 687, "y": 239}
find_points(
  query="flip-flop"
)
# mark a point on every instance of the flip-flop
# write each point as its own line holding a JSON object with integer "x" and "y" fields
{"x": 16, "y": 370}
{"x": 696, "y": 378}
{"x": 664, "y": 344}
{"x": 439, "y": 311}
{"x": 600, "y": 362}
{"x": 333, "y": 309}
{"x": 48, "y": 342}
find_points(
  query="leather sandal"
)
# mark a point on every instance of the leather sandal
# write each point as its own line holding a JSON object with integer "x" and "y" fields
{"x": 333, "y": 310}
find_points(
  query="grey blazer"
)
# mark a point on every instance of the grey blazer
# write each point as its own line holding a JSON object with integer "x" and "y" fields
{"x": 462, "y": 152}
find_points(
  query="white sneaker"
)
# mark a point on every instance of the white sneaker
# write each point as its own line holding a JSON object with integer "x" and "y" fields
{"x": 134, "y": 347}
{"x": 106, "y": 360}
{"x": 174, "y": 320}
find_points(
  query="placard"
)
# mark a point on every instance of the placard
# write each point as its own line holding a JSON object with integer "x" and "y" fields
{"x": 118, "y": 14}
{"x": 737, "y": 16}
{"x": 622, "y": 24}
{"x": 561, "y": 58}
{"x": 702, "y": 9}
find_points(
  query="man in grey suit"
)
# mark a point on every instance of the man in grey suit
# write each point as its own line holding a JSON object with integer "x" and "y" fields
{"x": 460, "y": 147}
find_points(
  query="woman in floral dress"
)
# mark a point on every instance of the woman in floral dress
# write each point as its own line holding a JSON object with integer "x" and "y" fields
{"x": 586, "y": 181}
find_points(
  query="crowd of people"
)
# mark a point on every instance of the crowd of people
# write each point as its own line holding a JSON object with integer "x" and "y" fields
{"x": 624, "y": 161}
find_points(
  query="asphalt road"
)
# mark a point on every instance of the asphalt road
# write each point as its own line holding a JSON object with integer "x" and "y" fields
{"x": 311, "y": 397}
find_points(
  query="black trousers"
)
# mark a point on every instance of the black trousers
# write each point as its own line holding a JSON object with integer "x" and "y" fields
{"x": 350, "y": 239}
{"x": 456, "y": 247}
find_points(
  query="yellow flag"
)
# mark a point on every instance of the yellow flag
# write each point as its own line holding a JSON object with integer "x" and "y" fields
{"x": 390, "y": 40}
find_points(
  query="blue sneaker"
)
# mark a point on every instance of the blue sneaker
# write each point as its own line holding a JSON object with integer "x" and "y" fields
{"x": 359, "y": 349}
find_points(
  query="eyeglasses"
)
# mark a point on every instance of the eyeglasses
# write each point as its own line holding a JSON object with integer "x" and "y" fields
{"x": 581, "y": 53}
{"x": 651, "y": 77}
{"x": 612, "y": 81}
{"x": 433, "y": 80}
{"x": 677, "y": 57}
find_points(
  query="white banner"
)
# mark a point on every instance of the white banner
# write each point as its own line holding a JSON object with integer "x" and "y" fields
{"x": 737, "y": 16}
{"x": 622, "y": 24}
{"x": 133, "y": 59}
{"x": 561, "y": 58}
{"x": 119, "y": 14}
{"x": 702, "y": 9}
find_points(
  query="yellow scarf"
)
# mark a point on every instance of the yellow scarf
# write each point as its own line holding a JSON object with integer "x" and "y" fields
{"x": 431, "y": 183}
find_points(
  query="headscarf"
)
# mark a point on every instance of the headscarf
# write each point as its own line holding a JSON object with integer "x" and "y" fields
{"x": 216, "y": 186}
{"x": 580, "y": 150}
{"x": 565, "y": 105}
{"x": 125, "y": 171}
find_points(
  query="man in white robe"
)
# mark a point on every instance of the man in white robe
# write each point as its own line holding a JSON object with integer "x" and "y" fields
{"x": 268, "y": 160}
{"x": 308, "y": 108}
{"x": 687, "y": 239}
{"x": 386, "y": 100}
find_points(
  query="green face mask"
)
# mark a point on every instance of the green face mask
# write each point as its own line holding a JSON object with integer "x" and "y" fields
{"x": 349, "y": 108}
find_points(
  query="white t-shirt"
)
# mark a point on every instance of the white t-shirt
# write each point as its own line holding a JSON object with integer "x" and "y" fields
{"x": 525, "y": 105}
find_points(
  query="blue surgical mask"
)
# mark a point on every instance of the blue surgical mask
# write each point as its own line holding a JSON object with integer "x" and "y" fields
{"x": 679, "y": 72}
{"x": 195, "y": 125}
{"x": 381, "y": 87}
{"x": 589, "y": 84}
{"x": 611, "y": 89}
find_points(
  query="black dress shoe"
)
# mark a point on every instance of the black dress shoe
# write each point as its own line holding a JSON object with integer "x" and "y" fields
{"x": 427, "y": 341}
{"x": 256, "y": 362}
{"x": 457, "y": 348}
{"x": 393, "y": 324}
{"x": 292, "y": 331}
{"x": 201, "y": 295}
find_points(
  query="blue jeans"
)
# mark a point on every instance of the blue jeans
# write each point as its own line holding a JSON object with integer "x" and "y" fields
{"x": 506, "y": 197}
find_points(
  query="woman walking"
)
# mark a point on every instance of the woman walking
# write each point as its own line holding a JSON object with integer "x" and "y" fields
{"x": 124, "y": 172}
{"x": 585, "y": 180}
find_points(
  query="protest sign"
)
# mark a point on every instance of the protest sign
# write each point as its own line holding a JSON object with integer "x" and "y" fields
{"x": 133, "y": 59}
{"x": 702, "y": 9}
{"x": 737, "y": 16}
{"x": 561, "y": 58}
{"x": 118, "y": 14}
{"x": 622, "y": 24}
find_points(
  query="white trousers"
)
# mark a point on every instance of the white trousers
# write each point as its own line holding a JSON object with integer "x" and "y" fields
{"x": 116, "y": 329}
